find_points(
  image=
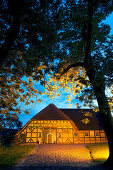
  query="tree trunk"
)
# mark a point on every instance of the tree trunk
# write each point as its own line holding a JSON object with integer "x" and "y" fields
{"x": 97, "y": 81}
{"x": 106, "y": 119}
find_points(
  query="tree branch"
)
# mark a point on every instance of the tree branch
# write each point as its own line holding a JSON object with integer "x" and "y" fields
{"x": 71, "y": 66}
{"x": 28, "y": 88}
{"x": 11, "y": 72}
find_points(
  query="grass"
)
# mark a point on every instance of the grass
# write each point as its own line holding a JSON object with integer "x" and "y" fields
{"x": 10, "y": 155}
{"x": 100, "y": 152}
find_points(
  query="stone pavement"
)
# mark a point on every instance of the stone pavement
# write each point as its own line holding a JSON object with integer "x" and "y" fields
{"x": 59, "y": 157}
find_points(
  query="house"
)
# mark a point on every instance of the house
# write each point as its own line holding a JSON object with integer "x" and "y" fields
{"x": 63, "y": 126}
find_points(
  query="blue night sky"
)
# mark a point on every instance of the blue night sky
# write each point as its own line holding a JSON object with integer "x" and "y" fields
{"x": 60, "y": 101}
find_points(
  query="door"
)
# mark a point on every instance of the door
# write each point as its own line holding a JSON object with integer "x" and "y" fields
{"x": 49, "y": 136}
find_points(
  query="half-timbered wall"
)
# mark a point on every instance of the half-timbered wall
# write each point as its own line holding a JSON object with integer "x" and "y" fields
{"x": 59, "y": 131}
{"x": 48, "y": 131}
{"x": 92, "y": 136}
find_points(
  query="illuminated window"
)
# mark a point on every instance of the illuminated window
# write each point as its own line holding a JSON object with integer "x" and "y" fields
{"x": 102, "y": 134}
{"x": 39, "y": 135}
{"x": 91, "y": 133}
{"x": 97, "y": 133}
{"x": 86, "y": 134}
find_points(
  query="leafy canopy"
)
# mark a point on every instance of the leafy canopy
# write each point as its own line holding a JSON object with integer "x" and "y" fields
{"x": 51, "y": 36}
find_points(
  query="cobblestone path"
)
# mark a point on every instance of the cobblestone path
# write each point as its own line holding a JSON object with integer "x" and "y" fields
{"x": 58, "y": 157}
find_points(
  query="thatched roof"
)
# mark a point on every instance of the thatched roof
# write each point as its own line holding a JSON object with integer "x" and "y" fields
{"x": 84, "y": 119}
{"x": 51, "y": 112}
{"x": 79, "y": 116}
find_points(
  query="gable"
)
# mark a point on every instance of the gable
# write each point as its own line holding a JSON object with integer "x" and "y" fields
{"x": 51, "y": 112}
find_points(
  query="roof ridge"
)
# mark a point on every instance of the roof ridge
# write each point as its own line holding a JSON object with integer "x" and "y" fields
{"x": 53, "y": 113}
